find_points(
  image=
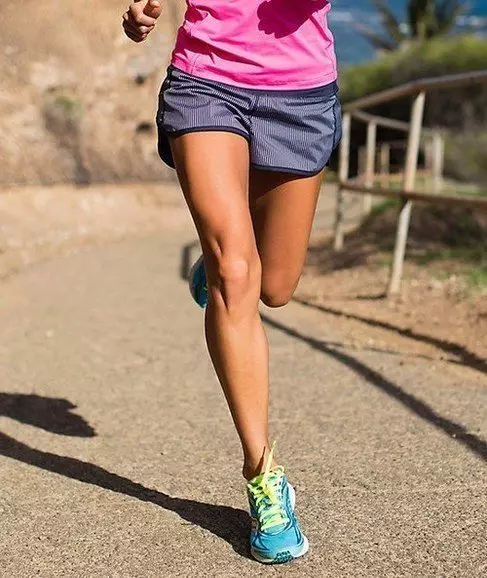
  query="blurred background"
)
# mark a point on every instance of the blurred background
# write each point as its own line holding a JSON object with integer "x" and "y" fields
{"x": 78, "y": 142}
{"x": 77, "y": 99}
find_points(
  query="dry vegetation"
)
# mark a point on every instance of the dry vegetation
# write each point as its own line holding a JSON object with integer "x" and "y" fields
{"x": 442, "y": 310}
{"x": 78, "y": 99}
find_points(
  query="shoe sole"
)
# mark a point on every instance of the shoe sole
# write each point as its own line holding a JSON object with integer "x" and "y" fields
{"x": 286, "y": 555}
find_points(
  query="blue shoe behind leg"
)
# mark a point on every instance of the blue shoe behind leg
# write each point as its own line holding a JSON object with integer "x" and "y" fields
{"x": 197, "y": 283}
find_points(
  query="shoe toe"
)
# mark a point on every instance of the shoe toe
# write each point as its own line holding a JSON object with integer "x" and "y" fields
{"x": 280, "y": 547}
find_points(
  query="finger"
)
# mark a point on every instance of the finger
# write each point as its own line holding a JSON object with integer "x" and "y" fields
{"x": 134, "y": 37}
{"x": 131, "y": 35}
{"x": 128, "y": 25}
{"x": 153, "y": 9}
{"x": 139, "y": 18}
{"x": 133, "y": 30}
{"x": 139, "y": 29}
{"x": 126, "y": 18}
{"x": 145, "y": 29}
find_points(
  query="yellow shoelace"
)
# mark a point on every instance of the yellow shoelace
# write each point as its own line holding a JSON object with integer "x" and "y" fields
{"x": 266, "y": 493}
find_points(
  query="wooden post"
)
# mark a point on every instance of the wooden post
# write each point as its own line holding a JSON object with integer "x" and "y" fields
{"x": 361, "y": 164}
{"x": 384, "y": 161}
{"x": 428, "y": 163}
{"x": 343, "y": 172}
{"x": 370, "y": 165}
{"x": 385, "y": 158}
{"x": 438, "y": 155}
{"x": 414, "y": 139}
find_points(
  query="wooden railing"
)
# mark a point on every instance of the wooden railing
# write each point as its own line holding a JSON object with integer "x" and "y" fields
{"x": 416, "y": 133}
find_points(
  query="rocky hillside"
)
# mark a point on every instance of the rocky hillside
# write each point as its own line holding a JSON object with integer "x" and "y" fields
{"x": 78, "y": 99}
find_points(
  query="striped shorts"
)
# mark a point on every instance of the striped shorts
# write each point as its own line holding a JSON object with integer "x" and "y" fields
{"x": 291, "y": 131}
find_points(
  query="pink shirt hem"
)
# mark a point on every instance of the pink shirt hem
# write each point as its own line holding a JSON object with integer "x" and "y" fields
{"x": 205, "y": 72}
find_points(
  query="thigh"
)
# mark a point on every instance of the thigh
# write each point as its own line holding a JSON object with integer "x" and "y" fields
{"x": 213, "y": 171}
{"x": 282, "y": 207}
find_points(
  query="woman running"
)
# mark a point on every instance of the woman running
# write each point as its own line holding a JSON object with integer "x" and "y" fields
{"x": 249, "y": 116}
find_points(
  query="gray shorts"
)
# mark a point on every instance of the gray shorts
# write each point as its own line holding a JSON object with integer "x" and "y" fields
{"x": 292, "y": 131}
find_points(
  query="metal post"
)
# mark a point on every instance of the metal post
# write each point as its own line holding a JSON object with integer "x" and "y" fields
{"x": 438, "y": 155}
{"x": 370, "y": 165}
{"x": 414, "y": 139}
{"x": 343, "y": 172}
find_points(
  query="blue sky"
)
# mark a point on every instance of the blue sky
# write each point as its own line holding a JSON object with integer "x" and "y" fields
{"x": 351, "y": 46}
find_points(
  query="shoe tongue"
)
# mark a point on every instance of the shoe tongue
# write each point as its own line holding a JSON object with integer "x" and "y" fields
{"x": 258, "y": 479}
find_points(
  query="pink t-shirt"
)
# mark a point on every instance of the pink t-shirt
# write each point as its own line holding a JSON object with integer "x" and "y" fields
{"x": 279, "y": 44}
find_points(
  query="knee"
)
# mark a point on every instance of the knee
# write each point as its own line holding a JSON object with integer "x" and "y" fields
{"x": 236, "y": 279}
{"x": 276, "y": 293}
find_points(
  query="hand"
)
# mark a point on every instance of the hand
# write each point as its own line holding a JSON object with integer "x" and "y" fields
{"x": 140, "y": 19}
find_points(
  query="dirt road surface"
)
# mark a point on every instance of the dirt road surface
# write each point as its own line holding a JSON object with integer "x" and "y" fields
{"x": 119, "y": 458}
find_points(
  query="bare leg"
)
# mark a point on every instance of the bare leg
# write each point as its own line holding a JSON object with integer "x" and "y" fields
{"x": 282, "y": 207}
{"x": 213, "y": 170}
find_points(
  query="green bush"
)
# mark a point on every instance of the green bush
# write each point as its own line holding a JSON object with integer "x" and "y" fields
{"x": 70, "y": 107}
{"x": 462, "y": 110}
{"x": 62, "y": 111}
{"x": 434, "y": 58}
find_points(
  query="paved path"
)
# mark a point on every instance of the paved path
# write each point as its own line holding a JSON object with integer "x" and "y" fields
{"x": 119, "y": 457}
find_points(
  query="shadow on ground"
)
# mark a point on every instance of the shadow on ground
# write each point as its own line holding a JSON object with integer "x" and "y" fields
{"x": 188, "y": 258}
{"x": 452, "y": 429}
{"x": 465, "y": 357}
{"x": 47, "y": 413}
{"x": 55, "y": 415}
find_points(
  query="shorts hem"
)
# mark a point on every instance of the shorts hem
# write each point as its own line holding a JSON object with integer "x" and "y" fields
{"x": 288, "y": 170}
{"x": 183, "y": 131}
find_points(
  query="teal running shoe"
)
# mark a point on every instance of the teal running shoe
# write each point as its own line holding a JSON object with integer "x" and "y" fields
{"x": 197, "y": 283}
{"x": 275, "y": 536}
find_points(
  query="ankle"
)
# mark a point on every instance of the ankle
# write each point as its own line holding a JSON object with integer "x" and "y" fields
{"x": 249, "y": 472}
{"x": 252, "y": 467}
